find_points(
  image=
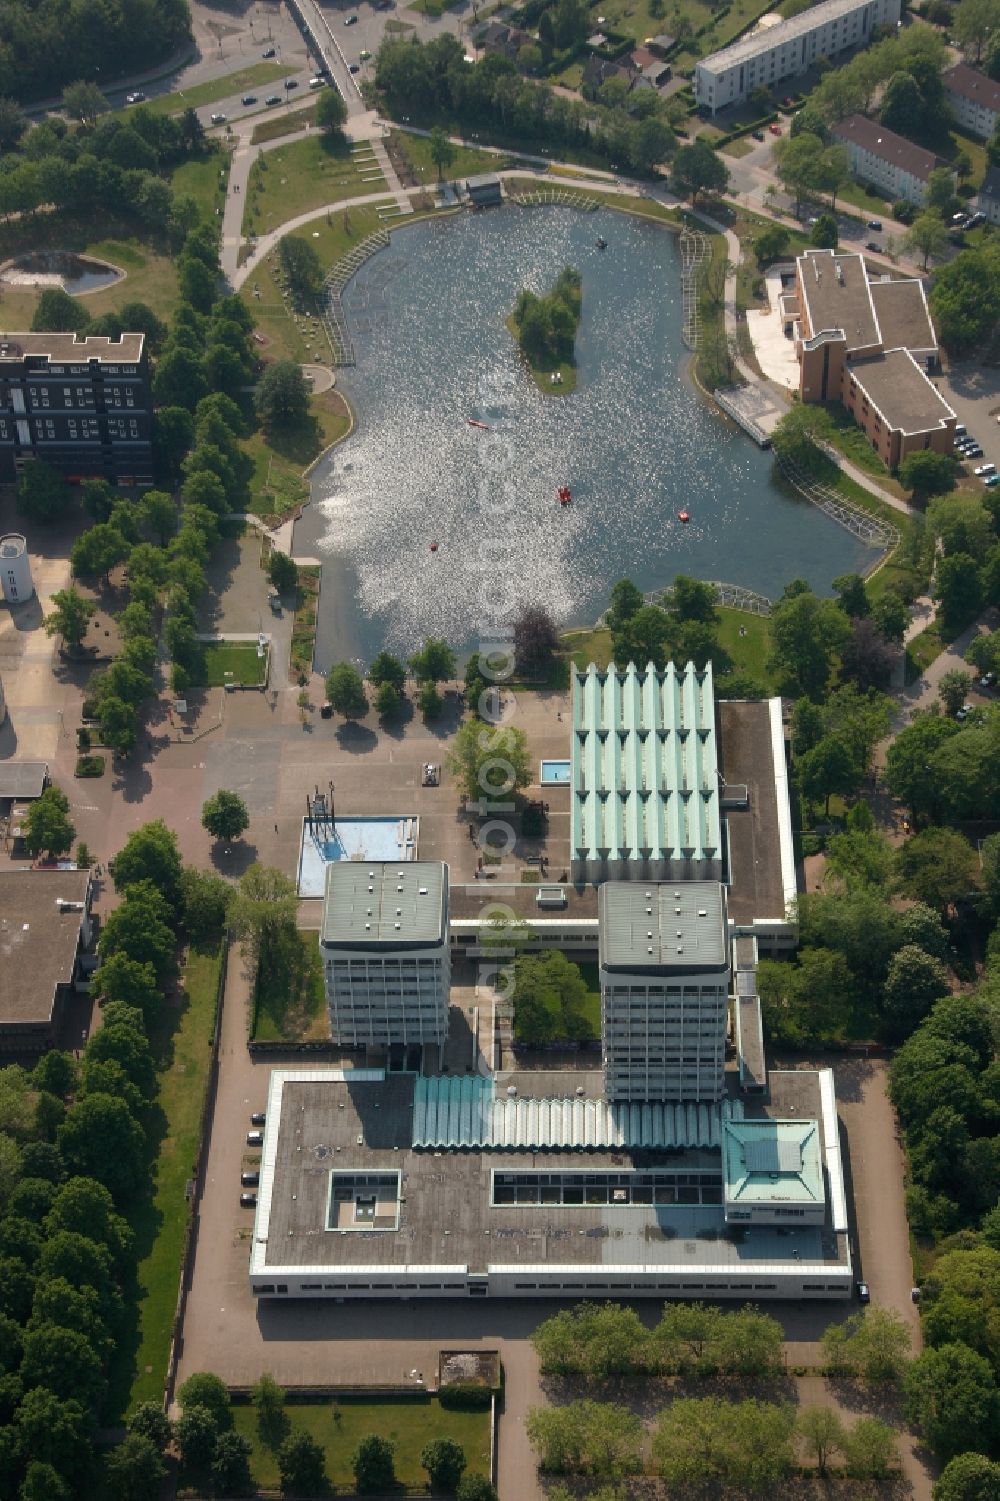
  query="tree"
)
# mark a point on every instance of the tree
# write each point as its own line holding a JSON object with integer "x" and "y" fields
{"x": 388, "y": 699}
{"x": 47, "y": 826}
{"x": 118, "y": 724}
{"x": 914, "y": 982}
{"x": 41, "y": 492}
{"x": 225, "y": 815}
{"x": 870, "y": 1449}
{"x": 444, "y": 1460}
{"x": 100, "y": 1139}
{"x": 626, "y": 600}
{"x": 940, "y": 194}
{"x": 331, "y": 113}
{"x": 953, "y": 689}
{"x": 873, "y": 1345}
{"x": 968, "y": 1477}
{"x": 698, "y": 169}
{"x": 13, "y": 124}
{"x": 927, "y": 237}
{"x": 799, "y": 431}
{"x": 134, "y": 1469}
{"x": 282, "y": 396}
{"x": 434, "y": 662}
{"x": 536, "y": 640}
{"x": 825, "y": 233}
{"x": 52, "y": 1430}
{"x": 42, "y": 1482}
{"x": 550, "y": 996}
{"x": 84, "y": 101}
{"x": 585, "y": 1438}
{"x": 822, "y": 1432}
{"x": 477, "y": 1488}
{"x": 205, "y": 1389}
{"x": 64, "y": 1361}
{"x": 159, "y": 514}
{"x": 268, "y": 1400}
{"x": 644, "y": 637}
{"x": 57, "y": 312}
{"x": 70, "y": 617}
{"x": 301, "y": 265}
{"x": 205, "y": 906}
{"x": 283, "y": 572}
{"x": 957, "y": 589}
{"x": 952, "y": 1397}
{"x": 939, "y": 867}
{"x": 772, "y": 242}
{"x": 263, "y": 912}
{"x": 387, "y": 669}
{"x": 974, "y": 24}
{"x": 442, "y": 151}
{"x": 965, "y": 299}
{"x": 852, "y": 597}
{"x": 690, "y": 1441}
{"x": 830, "y": 767}
{"x": 489, "y": 764}
{"x": 345, "y": 691}
{"x": 372, "y": 1463}
{"x": 302, "y": 1465}
{"x": 197, "y": 1433}
{"x": 927, "y": 473}
{"x": 231, "y": 1472}
{"x": 150, "y": 854}
{"x": 429, "y": 701}
{"x": 98, "y": 550}
{"x": 798, "y": 162}
{"x": 150, "y": 1421}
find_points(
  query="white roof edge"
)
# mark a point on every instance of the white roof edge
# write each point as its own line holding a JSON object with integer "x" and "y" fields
{"x": 786, "y": 842}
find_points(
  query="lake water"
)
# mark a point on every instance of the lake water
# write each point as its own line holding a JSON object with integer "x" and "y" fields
{"x": 635, "y": 442}
{"x": 60, "y": 268}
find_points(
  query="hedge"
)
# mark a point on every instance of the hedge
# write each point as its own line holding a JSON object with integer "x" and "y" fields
{"x": 465, "y": 1396}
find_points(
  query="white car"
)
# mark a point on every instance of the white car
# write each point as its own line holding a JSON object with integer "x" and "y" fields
{"x": 136, "y": 97}
{"x": 984, "y": 469}
{"x": 218, "y": 119}
{"x": 964, "y": 711}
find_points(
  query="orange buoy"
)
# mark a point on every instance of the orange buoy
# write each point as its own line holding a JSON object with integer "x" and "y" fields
{"x": 683, "y": 516}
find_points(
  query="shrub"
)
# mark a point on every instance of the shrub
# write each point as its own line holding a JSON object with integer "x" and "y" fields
{"x": 465, "y": 1396}
{"x": 89, "y": 766}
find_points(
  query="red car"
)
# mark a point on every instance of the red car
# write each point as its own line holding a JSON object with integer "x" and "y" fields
{"x": 774, "y": 128}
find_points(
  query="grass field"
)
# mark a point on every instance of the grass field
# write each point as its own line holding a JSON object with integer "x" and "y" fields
{"x": 204, "y": 180}
{"x": 182, "y": 1040}
{"x": 149, "y": 276}
{"x": 751, "y": 651}
{"x": 292, "y": 1009}
{"x": 305, "y": 174}
{"x": 592, "y": 1009}
{"x": 740, "y": 147}
{"x": 410, "y": 1422}
{"x": 416, "y": 153}
{"x": 232, "y": 662}
{"x": 253, "y": 77}
{"x": 633, "y": 18}
{"x": 284, "y": 125}
{"x": 277, "y": 485}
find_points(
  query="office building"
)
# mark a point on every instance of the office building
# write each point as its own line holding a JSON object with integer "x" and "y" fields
{"x": 45, "y": 930}
{"x": 974, "y": 100}
{"x": 664, "y": 974}
{"x": 869, "y": 344}
{"x": 384, "y": 945}
{"x": 894, "y": 165}
{"x": 772, "y": 53}
{"x": 82, "y": 405}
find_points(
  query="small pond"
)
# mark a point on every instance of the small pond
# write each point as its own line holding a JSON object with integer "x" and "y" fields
{"x": 59, "y": 268}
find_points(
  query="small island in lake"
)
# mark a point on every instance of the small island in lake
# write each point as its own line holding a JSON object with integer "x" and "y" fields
{"x": 545, "y": 328}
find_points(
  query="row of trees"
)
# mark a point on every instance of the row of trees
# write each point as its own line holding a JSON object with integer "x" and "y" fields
{"x": 433, "y": 664}
{"x": 597, "y": 1341}
{"x": 699, "y": 1441}
{"x": 44, "y": 46}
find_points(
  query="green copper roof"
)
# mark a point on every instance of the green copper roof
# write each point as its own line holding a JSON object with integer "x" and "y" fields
{"x": 644, "y": 769}
{"x": 772, "y": 1162}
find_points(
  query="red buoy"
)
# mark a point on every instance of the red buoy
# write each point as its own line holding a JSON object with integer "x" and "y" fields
{"x": 434, "y": 547}
{"x": 565, "y": 495}
{"x": 683, "y": 516}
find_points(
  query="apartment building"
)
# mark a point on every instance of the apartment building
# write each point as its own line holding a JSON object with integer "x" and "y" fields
{"x": 869, "y": 345}
{"x": 773, "y": 53}
{"x": 664, "y": 972}
{"x": 974, "y": 100}
{"x": 386, "y": 958}
{"x": 82, "y": 405}
{"x": 888, "y": 161}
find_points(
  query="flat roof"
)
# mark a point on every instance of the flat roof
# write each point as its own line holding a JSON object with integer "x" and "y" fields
{"x": 896, "y": 385}
{"x": 870, "y": 136}
{"x": 774, "y": 36}
{"x": 773, "y": 1162}
{"x": 903, "y": 315}
{"x": 970, "y": 84}
{"x": 325, "y": 1120}
{"x": 835, "y": 295}
{"x": 761, "y": 876}
{"x": 379, "y": 904}
{"x": 73, "y": 347}
{"x": 23, "y": 779}
{"x": 39, "y": 940}
{"x": 663, "y": 926}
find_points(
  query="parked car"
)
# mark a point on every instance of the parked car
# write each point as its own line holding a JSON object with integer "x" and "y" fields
{"x": 354, "y": 67}
{"x": 317, "y": 82}
{"x": 758, "y": 135}
{"x": 255, "y": 1138}
{"x": 259, "y": 1118}
{"x": 964, "y": 711}
{"x": 988, "y": 678}
{"x": 863, "y": 1291}
{"x": 248, "y": 1201}
{"x": 351, "y": 20}
{"x": 874, "y": 223}
{"x": 218, "y": 119}
{"x": 136, "y": 97}
{"x": 992, "y": 481}
{"x": 961, "y": 430}
{"x": 249, "y": 98}
{"x": 974, "y": 452}
{"x": 774, "y": 128}
{"x": 291, "y": 83}
{"x": 873, "y": 245}
{"x": 984, "y": 469}
{"x": 270, "y": 52}
{"x": 250, "y": 1180}
{"x": 272, "y": 99}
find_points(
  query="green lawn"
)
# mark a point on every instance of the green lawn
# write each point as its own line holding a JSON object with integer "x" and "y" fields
{"x": 852, "y": 443}
{"x": 864, "y": 197}
{"x": 284, "y": 125}
{"x": 183, "y": 1039}
{"x": 740, "y": 147}
{"x": 410, "y": 1422}
{"x": 292, "y": 1008}
{"x": 232, "y": 662}
{"x": 215, "y": 88}
{"x": 633, "y": 18}
{"x": 305, "y": 174}
{"x": 586, "y": 646}
{"x": 277, "y": 485}
{"x": 592, "y": 1009}
{"x": 303, "y": 645}
{"x": 416, "y": 153}
{"x": 203, "y": 179}
{"x": 750, "y": 652}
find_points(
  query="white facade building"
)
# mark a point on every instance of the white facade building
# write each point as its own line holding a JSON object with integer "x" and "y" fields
{"x": 386, "y": 959}
{"x": 974, "y": 100}
{"x": 989, "y": 195}
{"x": 773, "y": 53}
{"x": 887, "y": 160}
{"x": 15, "y": 569}
{"x": 664, "y": 968}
